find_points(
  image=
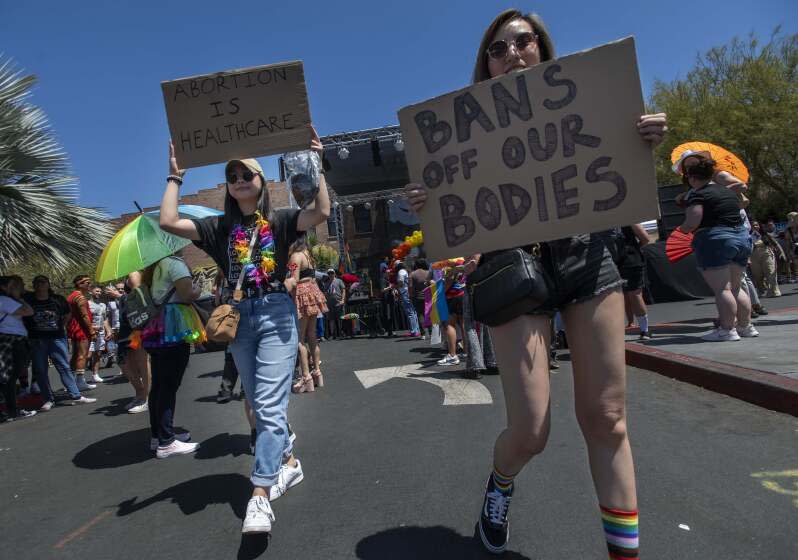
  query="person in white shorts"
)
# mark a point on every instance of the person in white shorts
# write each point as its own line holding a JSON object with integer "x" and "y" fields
{"x": 99, "y": 321}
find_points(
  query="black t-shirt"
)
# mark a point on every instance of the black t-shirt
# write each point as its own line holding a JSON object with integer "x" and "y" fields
{"x": 48, "y": 316}
{"x": 217, "y": 241}
{"x": 721, "y": 207}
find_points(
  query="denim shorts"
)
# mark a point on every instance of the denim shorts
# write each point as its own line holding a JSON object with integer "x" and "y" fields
{"x": 719, "y": 246}
{"x": 579, "y": 268}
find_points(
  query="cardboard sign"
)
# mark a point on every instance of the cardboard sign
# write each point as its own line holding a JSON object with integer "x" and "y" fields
{"x": 535, "y": 155}
{"x": 238, "y": 114}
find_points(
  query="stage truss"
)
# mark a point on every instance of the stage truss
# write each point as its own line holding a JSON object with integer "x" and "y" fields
{"x": 341, "y": 203}
{"x": 343, "y": 139}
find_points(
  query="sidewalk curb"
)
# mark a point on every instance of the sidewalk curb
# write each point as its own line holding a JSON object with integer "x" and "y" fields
{"x": 761, "y": 388}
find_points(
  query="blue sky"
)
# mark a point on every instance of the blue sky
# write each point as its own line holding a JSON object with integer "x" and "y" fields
{"x": 100, "y": 64}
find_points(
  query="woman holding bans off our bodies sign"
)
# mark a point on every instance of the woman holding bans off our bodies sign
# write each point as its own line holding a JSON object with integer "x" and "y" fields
{"x": 585, "y": 286}
{"x": 253, "y": 239}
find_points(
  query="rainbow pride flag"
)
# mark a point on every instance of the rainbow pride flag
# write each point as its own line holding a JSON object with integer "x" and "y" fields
{"x": 435, "y": 309}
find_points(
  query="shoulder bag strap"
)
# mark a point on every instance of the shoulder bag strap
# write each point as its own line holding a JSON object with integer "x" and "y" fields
{"x": 166, "y": 298}
{"x": 237, "y": 294}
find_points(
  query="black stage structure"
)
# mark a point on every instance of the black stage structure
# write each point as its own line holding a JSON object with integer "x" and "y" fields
{"x": 368, "y": 168}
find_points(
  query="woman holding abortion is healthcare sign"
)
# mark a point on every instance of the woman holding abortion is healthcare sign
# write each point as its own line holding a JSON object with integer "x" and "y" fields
{"x": 251, "y": 241}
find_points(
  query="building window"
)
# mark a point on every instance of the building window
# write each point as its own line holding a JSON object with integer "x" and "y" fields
{"x": 362, "y": 217}
{"x": 332, "y": 232}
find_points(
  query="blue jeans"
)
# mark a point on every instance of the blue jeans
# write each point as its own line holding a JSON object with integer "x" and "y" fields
{"x": 410, "y": 310}
{"x": 56, "y": 349}
{"x": 265, "y": 350}
{"x": 720, "y": 246}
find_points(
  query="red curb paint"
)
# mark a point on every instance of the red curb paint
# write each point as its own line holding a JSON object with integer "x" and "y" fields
{"x": 757, "y": 387}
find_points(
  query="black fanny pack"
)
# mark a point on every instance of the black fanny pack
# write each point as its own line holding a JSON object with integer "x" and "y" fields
{"x": 509, "y": 284}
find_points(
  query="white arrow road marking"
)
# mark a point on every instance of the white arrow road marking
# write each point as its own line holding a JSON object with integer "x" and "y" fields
{"x": 456, "y": 390}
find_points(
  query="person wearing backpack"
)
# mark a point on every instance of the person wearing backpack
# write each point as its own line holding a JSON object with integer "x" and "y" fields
{"x": 167, "y": 335}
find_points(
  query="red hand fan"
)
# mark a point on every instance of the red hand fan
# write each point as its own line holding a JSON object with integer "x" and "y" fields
{"x": 678, "y": 245}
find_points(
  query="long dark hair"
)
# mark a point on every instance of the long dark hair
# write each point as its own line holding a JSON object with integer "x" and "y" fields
{"x": 301, "y": 246}
{"x": 232, "y": 212}
{"x": 545, "y": 44}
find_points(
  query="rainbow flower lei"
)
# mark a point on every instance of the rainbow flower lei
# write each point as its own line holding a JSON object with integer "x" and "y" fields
{"x": 261, "y": 274}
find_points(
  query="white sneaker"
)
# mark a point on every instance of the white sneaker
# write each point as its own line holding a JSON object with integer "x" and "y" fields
{"x": 83, "y": 400}
{"x": 177, "y": 447}
{"x": 46, "y": 406}
{"x": 95, "y": 378}
{"x": 184, "y": 437}
{"x": 83, "y": 386}
{"x": 449, "y": 361}
{"x": 721, "y": 335}
{"x": 749, "y": 331}
{"x": 288, "y": 477}
{"x": 259, "y": 517}
{"x": 141, "y": 407}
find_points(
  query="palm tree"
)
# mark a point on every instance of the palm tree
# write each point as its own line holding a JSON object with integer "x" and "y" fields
{"x": 39, "y": 215}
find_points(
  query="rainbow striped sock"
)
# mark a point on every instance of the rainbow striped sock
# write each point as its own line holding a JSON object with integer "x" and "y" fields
{"x": 503, "y": 483}
{"x": 620, "y": 530}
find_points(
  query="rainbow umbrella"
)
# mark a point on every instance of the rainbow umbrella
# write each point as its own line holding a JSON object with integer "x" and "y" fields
{"x": 135, "y": 247}
{"x": 191, "y": 211}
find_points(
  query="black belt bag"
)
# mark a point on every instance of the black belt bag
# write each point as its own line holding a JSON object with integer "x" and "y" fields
{"x": 510, "y": 284}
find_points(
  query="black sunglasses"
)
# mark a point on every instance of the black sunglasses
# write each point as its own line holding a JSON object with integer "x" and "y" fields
{"x": 498, "y": 49}
{"x": 246, "y": 176}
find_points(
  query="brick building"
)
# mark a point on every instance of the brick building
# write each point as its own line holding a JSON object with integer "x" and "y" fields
{"x": 214, "y": 198}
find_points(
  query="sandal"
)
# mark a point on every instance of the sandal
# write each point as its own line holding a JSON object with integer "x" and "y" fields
{"x": 303, "y": 385}
{"x": 318, "y": 378}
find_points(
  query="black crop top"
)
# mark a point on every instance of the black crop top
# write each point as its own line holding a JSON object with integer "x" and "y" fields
{"x": 307, "y": 273}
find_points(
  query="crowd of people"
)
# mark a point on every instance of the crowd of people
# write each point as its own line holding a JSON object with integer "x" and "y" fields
{"x": 285, "y": 308}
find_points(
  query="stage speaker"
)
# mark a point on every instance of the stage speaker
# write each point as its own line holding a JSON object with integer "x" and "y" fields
{"x": 376, "y": 156}
{"x": 671, "y": 215}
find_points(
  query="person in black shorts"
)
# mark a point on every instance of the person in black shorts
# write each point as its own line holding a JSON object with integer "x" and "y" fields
{"x": 586, "y": 287}
{"x": 632, "y": 268}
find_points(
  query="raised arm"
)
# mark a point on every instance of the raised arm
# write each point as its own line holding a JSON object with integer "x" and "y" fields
{"x": 170, "y": 219}
{"x": 730, "y": 181}
{"x": 319, "y": 211}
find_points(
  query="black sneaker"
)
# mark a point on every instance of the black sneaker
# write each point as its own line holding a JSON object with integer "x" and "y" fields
{"x": 472, "y": 374}
{"x": 494, "y": 529}
{"x": 491, "y": 370}
{"x": 553, "y": 363}
{"x": 253, "y": 437}
{"x": 224, "y": 396}
{"x": 645, "y": 335}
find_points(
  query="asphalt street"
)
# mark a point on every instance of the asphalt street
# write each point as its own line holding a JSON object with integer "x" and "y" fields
{"x": 392, "y": 472}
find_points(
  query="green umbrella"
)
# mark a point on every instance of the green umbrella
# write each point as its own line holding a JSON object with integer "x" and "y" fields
{"x": 135, "y": 247}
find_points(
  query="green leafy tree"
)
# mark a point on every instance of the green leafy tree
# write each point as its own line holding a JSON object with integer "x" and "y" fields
{"x": 325, "y": 256}
{"x": 40, "y": 219}
{"x": 742, "y": 96}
